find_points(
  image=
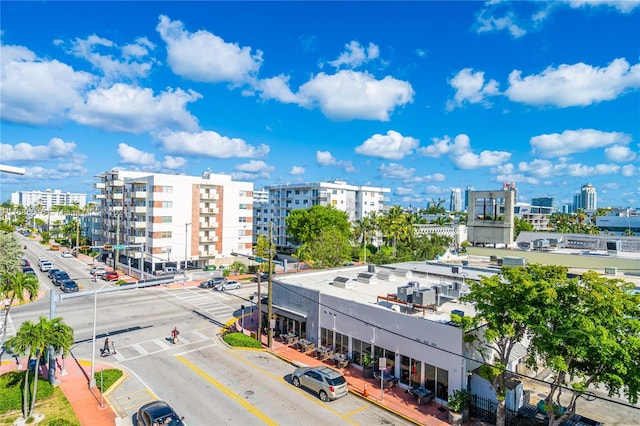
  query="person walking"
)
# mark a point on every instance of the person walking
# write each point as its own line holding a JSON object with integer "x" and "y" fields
{"x": 174, "y": 335}
{"x": 105, "y": 350}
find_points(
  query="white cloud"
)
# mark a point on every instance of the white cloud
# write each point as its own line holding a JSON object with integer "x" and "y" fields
{"x": 471, "y": 88}
{"x": 56, "y": 149}
{"x": 147, "y": 160}
{"x": 574, "y": 141}
{"x": 125, "y": 65}
{"x": 349, "y": 95}
{"x": 582, "y": 170}
{"x": 623, "y": 6}
{"x": 35, "y": 91}
{"x": 392, "y": 146}
{"x": 254, "y": 166}
{"x": 202, "y": 56}
{"x": 325, "y": 158}
{"x": 436, "y": 177}
{"x": 574, "y": 85}
{"x": 400, "y": 190}
{"x": 277, "y": 88}
{"x": 395, "y": 171}
{"x": 130, "y": 109}
{"x": 460, "y": 153}
{"x": 356, "y": 55}
{"x": 628, "y": 170}
{"x": 209, "y": 144}
{"x": 131, "y": 155}
{"x": 297, "y": 170}
{"x": 489, "y": 23}
{"x": 619, "y": 153}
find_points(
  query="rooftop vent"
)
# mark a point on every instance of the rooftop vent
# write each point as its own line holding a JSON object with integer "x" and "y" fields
{"x": 342, "y": 282}
{"x": 366, "y": 277}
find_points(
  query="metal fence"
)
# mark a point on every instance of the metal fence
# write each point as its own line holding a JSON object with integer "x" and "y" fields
{"x": 484, "y": 409}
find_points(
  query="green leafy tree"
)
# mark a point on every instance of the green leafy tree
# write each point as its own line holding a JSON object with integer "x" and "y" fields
{"x": 331, "y": 248}
{"x": 15, "y": 286}
{"x": 505, "y": 305}
{"x": 238, "y": 267}
{"x": 10, "y": 254}
{"x": 306, "y": 225}
{"x": 34, "y": 339}
{"x": 520, "y": 225}
{"x": 588, "y": 335}
{"x": 263, "y": 249}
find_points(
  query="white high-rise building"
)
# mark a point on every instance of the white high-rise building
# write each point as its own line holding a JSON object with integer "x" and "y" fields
{"x": 588, "y": 197}
{"x": 153, "y": 220}
{"x": 455, "y": 201}
{"x": 356, "y": 201}
{"x": 48, "y": 198}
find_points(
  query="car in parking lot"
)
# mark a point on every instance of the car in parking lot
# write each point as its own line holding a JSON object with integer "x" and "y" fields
{"x": 110, "y": 276}
{"x": 69, "y": 286}
{"x": 228, "y": 285}
{"x": 212, "y": 282}
{"x": 327, "y": 383}
{"x": 157, "y": 413}
{"x": 60, "y": 276}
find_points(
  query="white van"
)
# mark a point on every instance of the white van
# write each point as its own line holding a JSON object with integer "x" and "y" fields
{"x": 170, "y": 270}
{"x": 45, "y": 265}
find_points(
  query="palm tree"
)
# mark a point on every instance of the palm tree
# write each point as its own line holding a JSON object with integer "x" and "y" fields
{"x": 14, "y": 286}
{"x": 33, "y": 340}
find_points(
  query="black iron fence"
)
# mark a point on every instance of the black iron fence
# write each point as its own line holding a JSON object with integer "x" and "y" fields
{"x": 484, "y": 409}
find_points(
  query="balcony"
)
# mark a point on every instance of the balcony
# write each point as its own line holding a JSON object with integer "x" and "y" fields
{"x": 209, "y": 195}
{"x": 210, "y": 239}
{"x": 99, "y": 185}
{"x": 136, "y": 239}
{"x": 139, "y": 194}
{"x": 139, "y": 209}
{"x": 210, "y": 210}
{"x": 140, "y": 224}
{"x": 210, "y": 224}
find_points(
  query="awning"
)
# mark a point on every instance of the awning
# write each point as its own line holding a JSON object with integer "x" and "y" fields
{"x": 285, "y": 312}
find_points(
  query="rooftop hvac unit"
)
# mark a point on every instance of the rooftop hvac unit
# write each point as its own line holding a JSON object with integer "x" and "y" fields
{"x": 371, "y": 268}
{"x": 455, "y": 270}
{"x": 441, "y": 289}
{"x": 424, "y": 297}
{"x": 404, "y": 292}
{"x": 457, "y": 312}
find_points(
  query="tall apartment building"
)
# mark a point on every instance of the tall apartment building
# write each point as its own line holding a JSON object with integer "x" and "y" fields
{"x": 48, "y": 198}
{"x": 157, "y": 220}
{"x": 455, "y": 200}
{"x": 543, "y": 202}
{"x": 466, "y": 197}
{"x": 586, "y": 199}
{"x": 356, "y": 201}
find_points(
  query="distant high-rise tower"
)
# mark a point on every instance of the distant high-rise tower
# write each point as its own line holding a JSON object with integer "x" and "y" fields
{"x": 466, "y": 197}
{"x": 455, "y": 202}
{"x": 588, "y": 197}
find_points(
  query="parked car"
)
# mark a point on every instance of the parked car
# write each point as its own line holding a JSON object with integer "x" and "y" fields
{"x": 328, "y": 383}
{"x": 264, "y": 276}
{"x": 66, "y": 254}
{"x": 45, "y": 266}
{"x": 24, "y": 261}
{"x": 28, "y": 270}
{"x": 157, "y": 413}
{"x": 227, "y": 285}
{"x": 212, "y": 282}
{"x": 69, "y": 286}
{"x": 60, "y": 276}
{"x": 51, "y": 272}
{"x": 98, "y": 271}
{"x": 110, "y": 276}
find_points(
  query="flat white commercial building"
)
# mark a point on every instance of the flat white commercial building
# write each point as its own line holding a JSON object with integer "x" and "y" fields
{"x": 356, "y": 201}
{"x": 172, "y": 220}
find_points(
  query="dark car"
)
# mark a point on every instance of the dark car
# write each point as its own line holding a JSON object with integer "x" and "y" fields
{"x": 60, "y": 276}
{"x": 69, "y": 286}
{"x": 157, "y": 413}
{"x": 212, "y": 282}
{"x": 51, "y": 272}
{"x": 28, "y": 270}
{"x": 110, "y": 276}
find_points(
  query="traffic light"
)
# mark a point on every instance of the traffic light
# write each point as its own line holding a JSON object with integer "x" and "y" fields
{"x": 85, "y": 248}
{"x": 107, "y": 247}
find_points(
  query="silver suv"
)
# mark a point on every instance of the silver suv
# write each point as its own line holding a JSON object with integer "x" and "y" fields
{"x": 328, "y": 383}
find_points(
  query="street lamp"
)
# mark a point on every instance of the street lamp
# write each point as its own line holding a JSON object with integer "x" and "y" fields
{"x": 186, "y": 241}
{"x": 92, "y": 381}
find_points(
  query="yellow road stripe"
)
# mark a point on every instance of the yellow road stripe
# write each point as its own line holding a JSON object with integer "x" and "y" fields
{"x": 250, "y": 408}
{"x": 356, "y": 411}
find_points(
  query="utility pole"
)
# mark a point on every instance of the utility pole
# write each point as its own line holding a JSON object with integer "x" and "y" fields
{"x": 269, "y": 289}
{"x": 117, "y": 258}
{"x": 259, "y": 310}
{"x": 186, "y": 240}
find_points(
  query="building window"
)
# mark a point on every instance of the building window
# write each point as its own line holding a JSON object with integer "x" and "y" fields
{"x": 167, "y": 204}
{"x": 167, "y": 219}
{"x": 358, "y": 349}
{"x": 165, "y": 234}
{"x": 243, "y": 206}
{"x": 410, "y": 371}
{"x": 166, "y": 189}
{"x": 242, "y": 219}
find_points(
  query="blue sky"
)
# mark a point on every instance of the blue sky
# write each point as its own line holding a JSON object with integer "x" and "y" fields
{"x": 420, "y": 97}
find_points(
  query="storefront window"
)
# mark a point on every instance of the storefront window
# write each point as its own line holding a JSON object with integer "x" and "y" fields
{"x": 430, "y": 377}
{"x": 358, "y": 349}
{"x": 326, "y": 337}
{"x": 409, "y": 371}
{"x": 443, "y": 384}
{"x": 342, "y": 343}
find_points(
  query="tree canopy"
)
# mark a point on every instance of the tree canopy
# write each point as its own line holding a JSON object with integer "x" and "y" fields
{"x": 305, "y": 225}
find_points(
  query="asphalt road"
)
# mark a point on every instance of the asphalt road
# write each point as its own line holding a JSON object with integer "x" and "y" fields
{"x": 203, "y": 379}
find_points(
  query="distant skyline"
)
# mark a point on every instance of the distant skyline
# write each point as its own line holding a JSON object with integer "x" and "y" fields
{"x": 420, "y": 97}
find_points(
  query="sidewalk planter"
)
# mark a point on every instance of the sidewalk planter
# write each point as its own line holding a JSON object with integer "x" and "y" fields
{"x": 458, "y": 404}
{"x": 367, "y": 366}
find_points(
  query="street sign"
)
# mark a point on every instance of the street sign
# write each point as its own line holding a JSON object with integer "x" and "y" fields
{"x": 119, "y": 247}
{"x": 259, "y": 259}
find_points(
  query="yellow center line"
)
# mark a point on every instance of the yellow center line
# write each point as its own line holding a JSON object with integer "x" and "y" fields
{"x": 250, "y": 408}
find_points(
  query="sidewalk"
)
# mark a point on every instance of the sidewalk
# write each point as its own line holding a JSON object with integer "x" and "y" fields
{"x": 90, "y": 406}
